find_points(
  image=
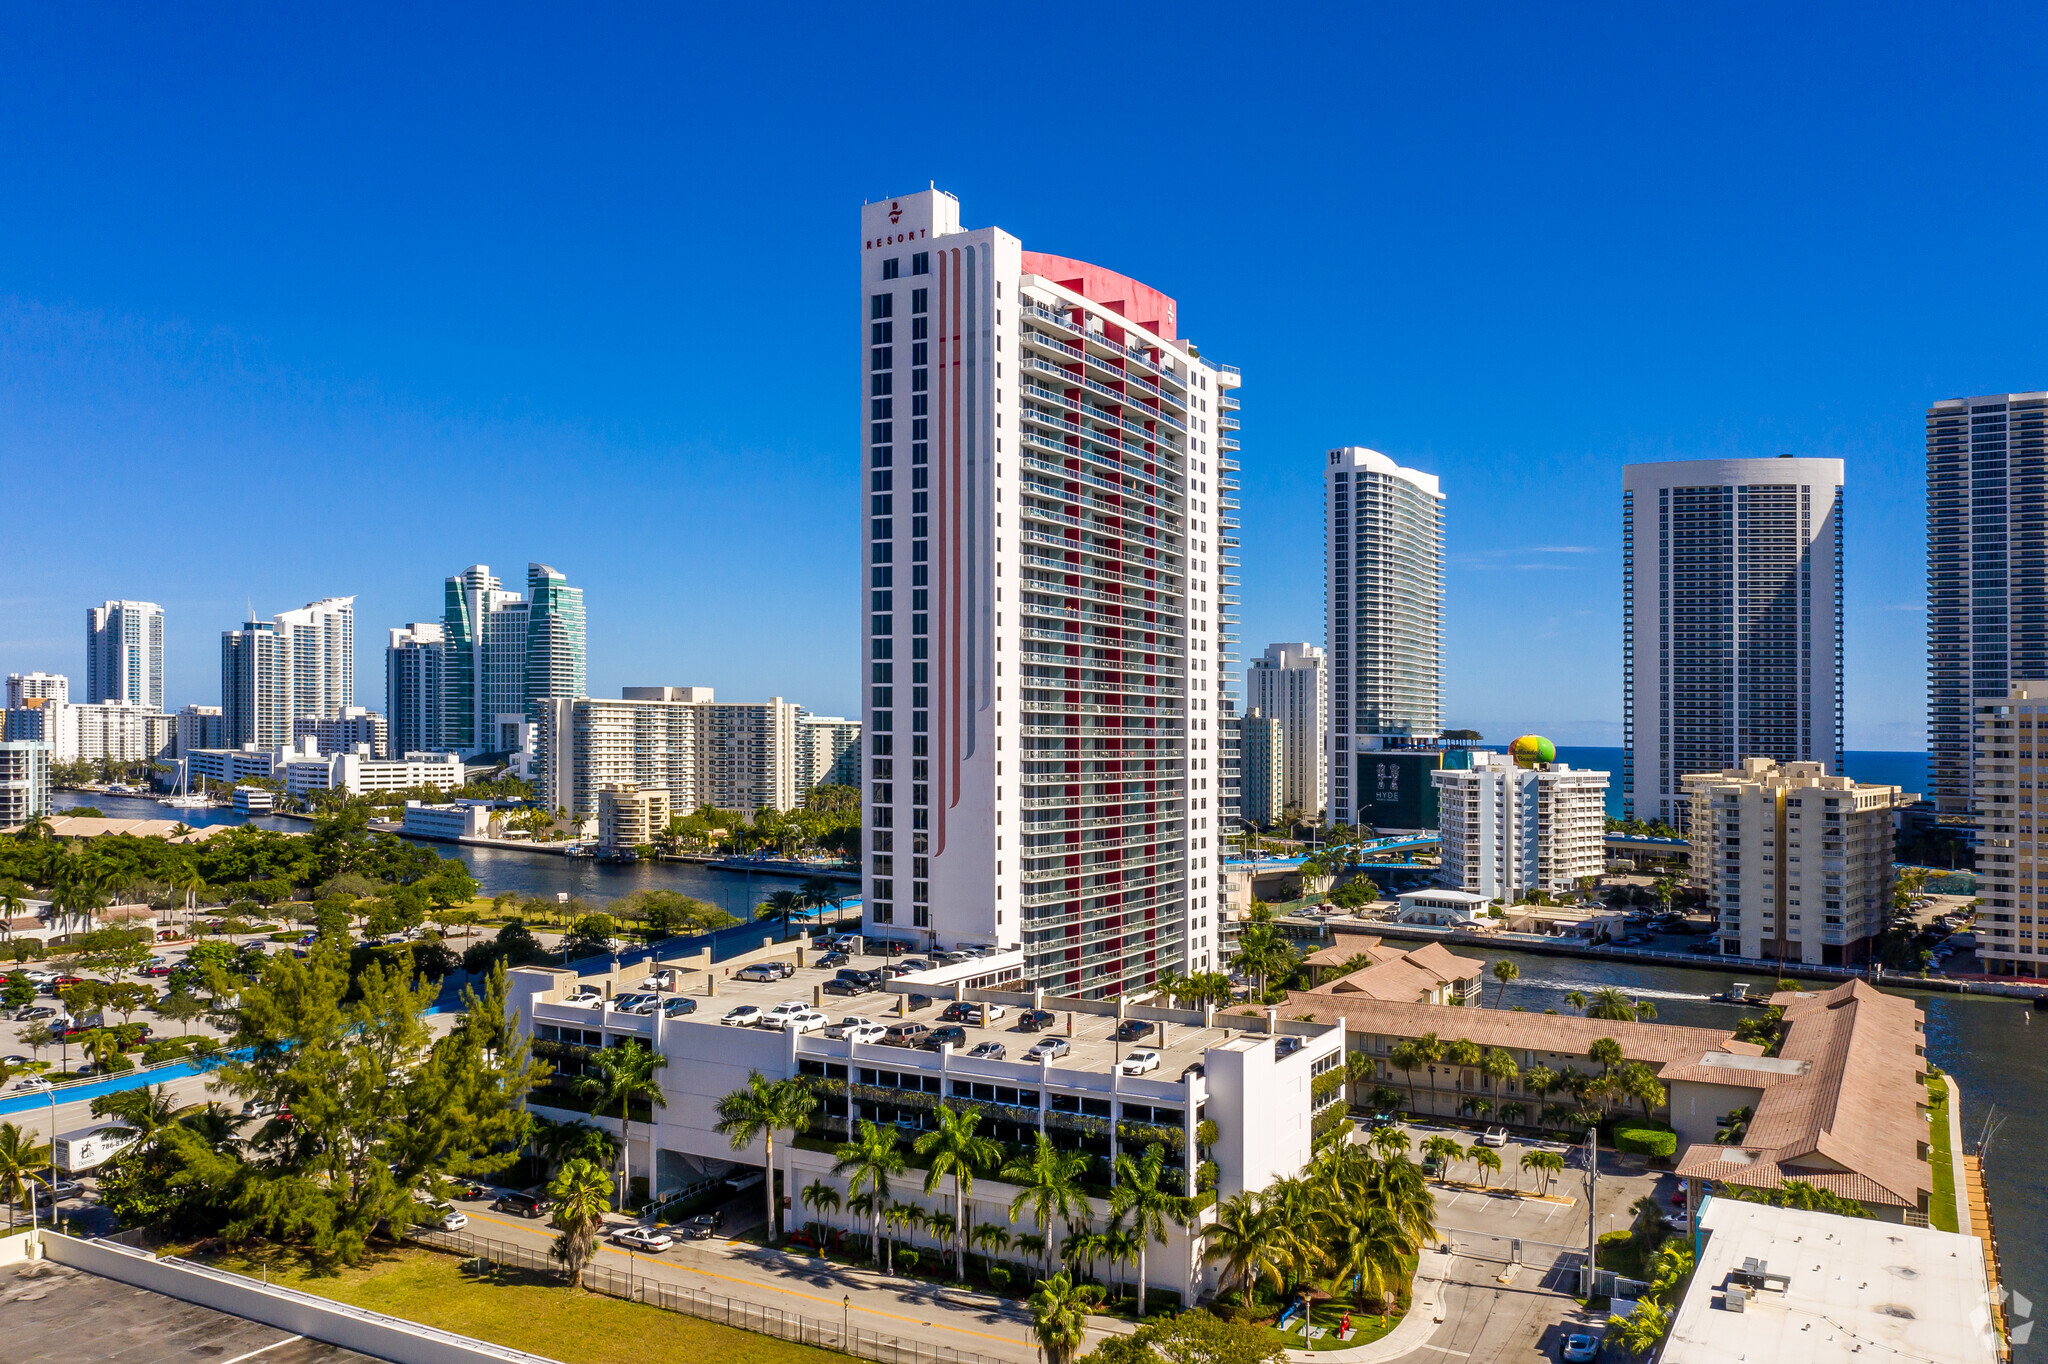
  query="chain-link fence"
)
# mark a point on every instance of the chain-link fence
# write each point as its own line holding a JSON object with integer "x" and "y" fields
{"x": 747, "y": 1316}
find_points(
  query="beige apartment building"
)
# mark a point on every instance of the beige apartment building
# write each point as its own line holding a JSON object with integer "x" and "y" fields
{"x": 1797, "y": 863}
{"x": 732, "y": 755}
{"x": 2002, "y": 804}
{"x": 628, "y": 816}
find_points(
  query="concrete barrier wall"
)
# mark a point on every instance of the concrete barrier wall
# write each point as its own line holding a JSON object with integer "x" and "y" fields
{"x": 352, "y": 1328}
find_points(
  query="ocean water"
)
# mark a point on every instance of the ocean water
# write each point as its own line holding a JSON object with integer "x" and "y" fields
{"x": 1908, "y": 770}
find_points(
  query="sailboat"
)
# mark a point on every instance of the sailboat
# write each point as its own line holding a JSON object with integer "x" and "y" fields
{"x": 182, "y": 800}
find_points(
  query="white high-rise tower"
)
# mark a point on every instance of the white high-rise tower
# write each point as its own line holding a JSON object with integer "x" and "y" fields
{"x": 1385, "y": 548}
{"x": 124, "y": 653}
{"x": 1288, "y": 683}
{"x": 1731, "y": 622}
{"x": 1046, "y": 671}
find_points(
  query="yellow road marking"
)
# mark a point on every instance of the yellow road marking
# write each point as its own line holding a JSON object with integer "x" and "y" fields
{"x": 756, "y": 1283}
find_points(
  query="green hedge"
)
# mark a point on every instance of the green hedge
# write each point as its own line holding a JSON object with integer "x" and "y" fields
{"x": 1645, "y": 1138}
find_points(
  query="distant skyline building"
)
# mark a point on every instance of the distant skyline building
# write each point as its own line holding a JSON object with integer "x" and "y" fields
{"x": 1987, "y": 568}
{"x": 1384, "y": 561}
{"x": 1265, "y": 766}
{"x": 1731, "y": 622}
{"x": 298, "y": 663}
{"x": 124, "y": 653}
{"x": 37, "y": 687}
{"x": 200, "y": 727}
{"x": 828, "y": 751}
{"x": 731, "y": 755}
{"x": 1050, "y": 687}
{"x": 1290, "y": 683}
{"x": 415, "y": 689}
{"x": 504, "y": 653}
{"x": 2012, "y": 858}
{"x": 24, "y": 780}
{"x": 354, "y": 728}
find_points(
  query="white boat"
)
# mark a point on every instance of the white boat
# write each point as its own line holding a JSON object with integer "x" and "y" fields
{"x": 119, "y": 788}
{"x": 182, "y": 800}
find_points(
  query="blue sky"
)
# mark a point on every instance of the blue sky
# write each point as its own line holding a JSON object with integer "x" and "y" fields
{"x": 311, "y": 303}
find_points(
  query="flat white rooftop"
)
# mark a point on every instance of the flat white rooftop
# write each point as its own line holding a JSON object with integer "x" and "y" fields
{"x": 1859, "y": 1290}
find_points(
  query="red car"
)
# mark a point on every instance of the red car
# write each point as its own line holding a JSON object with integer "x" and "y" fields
{"x": 59, "y": 984}
{"x": 157, "y": 970}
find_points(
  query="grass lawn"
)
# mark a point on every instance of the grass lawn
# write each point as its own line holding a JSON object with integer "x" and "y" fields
{"x": 1366, "y": 1326}
{"x": 1941, "y": 1213}
{"x": 528, "y": 1312}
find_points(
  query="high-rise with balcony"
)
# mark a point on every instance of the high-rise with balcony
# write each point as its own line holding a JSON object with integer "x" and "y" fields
{"x": 124, "y": 653}
{"x": 298, "y": 663}
{"x": 1289, "y": 683}
{"x": 1384, "y": 543}
{"x": 1731, "y": 622}
{"x": 415, "y": 694}
{"x": 1987, "y": 568}
{"x": 1044, "y": 477}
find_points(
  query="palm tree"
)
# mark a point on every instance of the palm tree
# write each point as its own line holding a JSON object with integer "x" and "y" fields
{"x": 1498, "y": 1066}
{"x": 1249, "y": 1242}
{"x": 870, "y": 1160}
{"x": 101, "y": 1046}
{"x": 899, "y": 1217}
{"x": 147, "y": 1111}
{"x": 953, "y": 1148}
{"x": 1139, "y": 1201}
{"x": 822, "y": 1199}
{"x": 1370, "y": 1245}
{"x": 1464, "y": 1055}
{"x": 1389, "y": 1142}
{"x": 1612, "y": 1005}
{"x": 1546, "y": 1164}
{"x": 784, "y": 903}
{"x": 1059, "y": 1317}
{"x": 1408, "y": 1058}
{"x": 1513, "y": 1112}
{"x": 991, "y": 1239}
{"x": 1641, "y": 1329}
{"x": 623, "y": 1075}
{"x": 1081, "y": 1250}
{"x": 1504, "y": 971}
{"x": 1575, "y": 999}
{"x": 1487, "y": 1160}
{"x": 1446, "y": 1153}
{"x": 761, "y": 1110}
{"x": 581, "y": 1193}
{"x": 1048, "y": 1181}
{"x": 20, "y": 1158}
{"x": 1606, "y": 1051}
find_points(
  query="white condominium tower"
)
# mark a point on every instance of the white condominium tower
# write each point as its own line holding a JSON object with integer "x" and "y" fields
{"x": 1987, "y": 567}
{"x": 1385, "y": 566}
{"x": 1731, "y": 621}
{"x": 124, "y": 653}
{"x": 1047, "y": 695}
{"x": 297, "y": 663}
{"x": 1288, "y": 683}
{"x": 1505, "y": 829}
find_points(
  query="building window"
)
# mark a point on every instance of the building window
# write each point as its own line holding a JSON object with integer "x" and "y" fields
{"x": 881, "y": 333}
{"x": 881, "y": 407}
{"x": 918, "y": 298}
{"x": 920, "y": 264}
{"x": 883, "y": 357}
{"x": 917, "y": 328}
{"x": 917, "y": 380}
{"x": 919, "y": 405}
{"x": 882, "y": 305}
{"x": 883, "y": 433}
{"x": 879, "y": 384}
{"x": 892, "y": 267}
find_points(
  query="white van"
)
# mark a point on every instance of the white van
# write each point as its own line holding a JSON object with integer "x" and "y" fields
{"x": 88, "y": 1148}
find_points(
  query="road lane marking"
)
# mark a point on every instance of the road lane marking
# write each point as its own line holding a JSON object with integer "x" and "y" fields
{"x": 756, "y": 1283}
{"x": 265, "y": 1350}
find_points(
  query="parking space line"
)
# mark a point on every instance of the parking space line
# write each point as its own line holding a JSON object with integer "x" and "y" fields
{"x": 265, "y": 1350}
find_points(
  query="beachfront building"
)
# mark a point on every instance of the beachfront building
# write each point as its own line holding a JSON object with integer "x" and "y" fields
{"x": 353, "y": 728}
{"x": 1506, "y": 829}
{"x": 298, "y": 663}
{"x": 304, "y": 769}
{"x": 1384, "y": 562}
{"x": 1049, "y": 710}
{"x": 1290, "y": 683}
{"x": 112, "y": 731}
{"x": 1797, "y": 863}
{"x": 1731, "y": 622}
{"x": 827, "y": 751}
{"x": 2012, "y": 925}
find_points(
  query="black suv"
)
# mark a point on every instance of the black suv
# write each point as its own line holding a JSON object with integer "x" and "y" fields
{"x": 525, "y": 1204}
{"x": 939, "y": 1037}
{"x": 1036, "y": 1020}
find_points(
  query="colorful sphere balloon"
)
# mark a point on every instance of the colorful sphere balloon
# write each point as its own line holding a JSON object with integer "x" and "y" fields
{"x": 1532, "y": 749}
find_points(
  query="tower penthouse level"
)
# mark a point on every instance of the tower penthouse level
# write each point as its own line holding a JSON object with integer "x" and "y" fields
{"x": 1044, "y": 562}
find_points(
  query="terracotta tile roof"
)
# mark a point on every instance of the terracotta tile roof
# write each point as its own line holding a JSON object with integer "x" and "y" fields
{"x": 1851, "y": 1120}
{"x": 1652, "y": 1043}
{"x": 1346, "y": 946}
{"x": 88, "y": 826}
{"x": 1398, "y": 975}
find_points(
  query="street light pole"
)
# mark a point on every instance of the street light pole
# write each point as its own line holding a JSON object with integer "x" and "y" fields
{"x": 1592, "y": 1205}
